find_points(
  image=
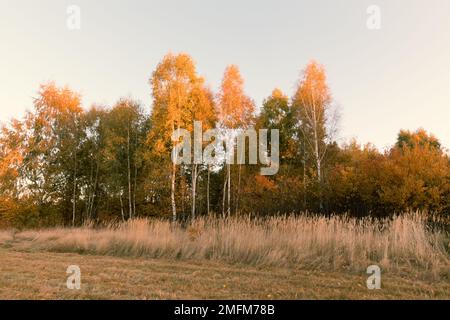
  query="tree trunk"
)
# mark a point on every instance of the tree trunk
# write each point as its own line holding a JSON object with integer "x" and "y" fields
{"x": 318, "y": 166}
{"x": 238, "y": 197}
{"x": 94, "y": 192}
{"x": 229, "y": 190}
{"x": 317, "y": 159}
{"x": 183, "y": 197}
{"x": 130, "y": 213}
{"x": 121, "y": 207}
{"x": 224, "y": 196}
{"x": 90, "y": 191}
{"x": 172, "y": 192}
{"x": 207, "y": 191}
{"x": 74, "y": 204}
{"x": 304, "y": 172}
{"x": 134, "y": 189}
{"x": 194, "y": 189}
{"x": 172, "y": 184}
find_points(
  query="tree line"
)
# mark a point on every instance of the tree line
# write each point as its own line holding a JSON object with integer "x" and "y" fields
{"x": 62, "y": 164}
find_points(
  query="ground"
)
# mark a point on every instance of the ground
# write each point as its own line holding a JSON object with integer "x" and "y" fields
{"x": 42, "y": 275}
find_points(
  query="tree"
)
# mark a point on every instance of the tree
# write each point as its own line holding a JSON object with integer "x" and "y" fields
{"x": 277, "y": 113}
{"x": 417, "y": 174}
{"x": 354, "y": 181}
{"x": 419, "y": 138}
{"x": 11, "y": 158}
{"x": 200, "y": 108}
{"x": 52, "y": 144}
{"x": 92, "y": 160}
{"x": 122, "y": 130}
{"x": 172, "y": 83}
{"x": 312, "y": 103}
{"x": 235, "y": 111}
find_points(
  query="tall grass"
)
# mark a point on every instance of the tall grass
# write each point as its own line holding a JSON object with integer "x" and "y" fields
{"x": 403, "y": 243}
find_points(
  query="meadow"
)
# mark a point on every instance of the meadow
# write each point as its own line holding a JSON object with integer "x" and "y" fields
{"x": 316, "y": 248}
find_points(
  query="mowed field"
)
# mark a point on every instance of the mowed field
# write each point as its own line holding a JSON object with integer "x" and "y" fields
{"x": 42, "y": 275}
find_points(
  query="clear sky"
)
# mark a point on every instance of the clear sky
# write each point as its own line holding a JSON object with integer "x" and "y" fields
{"x": 383, "y": 80}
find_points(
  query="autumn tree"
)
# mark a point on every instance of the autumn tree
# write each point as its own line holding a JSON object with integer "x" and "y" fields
{"x": 354, "y": 183}
{"x": 262, "y": 193}
{"x": 51, "y": 163}
{"x": 199, "y": 109}
{"x": 176, "y": 88}
{"x": 417, "y": 174}
{"x": 407, "y": 177}
{"x": 235, "y": 111}
{"x": 419, "y": 138}
{"x": 312, "y": 103}
{"x": 11, "y": 158}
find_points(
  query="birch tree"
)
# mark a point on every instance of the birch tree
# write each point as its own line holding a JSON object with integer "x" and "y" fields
{"x": 235, "y": 111}
{"x": 200, "y": 117}
{"x": 172, "y": 83}
{"x": 122, "y": 128}
{"x": 53, "y": 143}
{"x": 312, "y": 102}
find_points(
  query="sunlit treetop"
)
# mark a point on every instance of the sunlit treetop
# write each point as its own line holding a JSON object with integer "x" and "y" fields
{"x": 418, "y": 138}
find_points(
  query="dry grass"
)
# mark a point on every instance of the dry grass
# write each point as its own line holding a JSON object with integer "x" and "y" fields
{"x": 402, "y": 245}
{"x": 6, "y": 236}
{"x": 42, "y": 275}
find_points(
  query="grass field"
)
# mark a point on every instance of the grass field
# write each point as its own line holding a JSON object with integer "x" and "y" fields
{"x": 291, "y": 258}
{"x": 42, "y": 275}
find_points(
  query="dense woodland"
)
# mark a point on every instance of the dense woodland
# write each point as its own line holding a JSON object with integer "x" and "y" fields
{"x": 62, "y": 164}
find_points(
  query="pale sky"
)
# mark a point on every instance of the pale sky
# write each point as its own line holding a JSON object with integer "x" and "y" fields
{"x": 383, "y": 80}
